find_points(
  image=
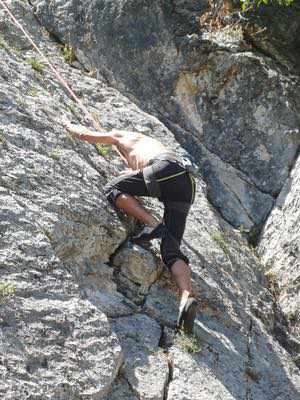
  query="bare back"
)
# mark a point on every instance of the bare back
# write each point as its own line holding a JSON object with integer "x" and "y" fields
{"x": 138, "y": 149}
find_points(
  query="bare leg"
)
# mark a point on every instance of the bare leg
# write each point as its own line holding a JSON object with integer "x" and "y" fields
{"x": 188, "y": 305}
{"x": 181, "y": 274}
{"x": 132, "y": 207}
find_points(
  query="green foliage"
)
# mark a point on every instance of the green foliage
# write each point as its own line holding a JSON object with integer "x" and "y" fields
{"x": 3, "y": 44}
{"x": 241, "y": 229}
{"x": 35, "y": 64}
{"x": 72, "y": 109}
{"x": 220, "y": 239}
{"x": 296, "y": 360}
{"x": 102, "y": 150}
{"x": 2, "y": 138}
{"x": 55, "y": 154}
{"x": 17, "y": 50}
{"x": 188, "y": 343}
{"x": 68, "y": 53}
{"x": 69, "y": 136}
{"x": 32, "y": 92}
{"x": 253, "y": 235}
{"x": 21, "y": 102}
{"x": 247, "y": 4}
{"x": 272, "y": 279}
{"x": 292, "y": 317}
{"x": 271, "y": 276}
{"x": 6, "y": 290}
{"x": 47, "y": 232}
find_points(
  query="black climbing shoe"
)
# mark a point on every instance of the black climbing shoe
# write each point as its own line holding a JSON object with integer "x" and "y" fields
{"x": 148, "y": 234}
{"x": 186, "y": 316}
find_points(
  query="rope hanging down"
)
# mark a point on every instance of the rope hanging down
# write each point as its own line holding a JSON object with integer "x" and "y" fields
{"x": 53, "y": 69}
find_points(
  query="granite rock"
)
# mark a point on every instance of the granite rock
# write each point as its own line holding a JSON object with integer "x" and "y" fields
{"x": 59, "y": 237}
{"x": 233, "y": 103}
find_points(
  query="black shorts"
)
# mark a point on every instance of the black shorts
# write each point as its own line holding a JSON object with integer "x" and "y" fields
{"x": 176, "y": 186}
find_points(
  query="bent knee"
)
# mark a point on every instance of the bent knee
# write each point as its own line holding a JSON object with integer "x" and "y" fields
{"x": 112, "y": 195}
{"x": 169, "y": 259}
{"x": 179, "y": 268}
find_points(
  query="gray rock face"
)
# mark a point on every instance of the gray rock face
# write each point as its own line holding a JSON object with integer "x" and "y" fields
{"x": 280, "y": 39}
{"x": 213, "y": 368}
{"x": 279, "y": 248}
{"x": 56, "y": 347}
{"x": 146, "y": 367}
{"x": 59, "y": 242}
{"x": 231, "y": 340}
{"x": 136, "y": 269}
{"x": 237, "y": 108}
{"x": 139, "y": 265}
{"x": 234, "y": 356}
{"x": 245, "y": 205}
{"x": 243, "y": 132}
{"x": 121, "y": 390}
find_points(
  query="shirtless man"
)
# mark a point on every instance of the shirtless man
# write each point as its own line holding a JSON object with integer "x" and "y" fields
{"x": 156, "y": 172}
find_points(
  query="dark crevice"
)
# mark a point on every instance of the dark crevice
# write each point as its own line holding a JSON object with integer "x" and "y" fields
{"x": 281, "y": 329}
{"x": 162, "y": 338}
{"x": 170, "y": 377}
{"x": 248, "y": 362}
{"x": 133, "y": 391}
{"x": 165, "y": 346}
{"x": 263, "y": 52}
{"x": 259, "y": 230}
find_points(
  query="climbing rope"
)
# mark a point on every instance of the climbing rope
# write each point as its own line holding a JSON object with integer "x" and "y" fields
{"x": 61, "y": 80}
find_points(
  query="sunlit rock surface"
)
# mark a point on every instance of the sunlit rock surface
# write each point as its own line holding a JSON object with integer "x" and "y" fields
{"x": 74, "y": 322}
{"x": 233, "y": 108}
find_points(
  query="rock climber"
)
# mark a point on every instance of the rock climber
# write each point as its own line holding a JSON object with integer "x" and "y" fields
{"x": 155, "y": 171}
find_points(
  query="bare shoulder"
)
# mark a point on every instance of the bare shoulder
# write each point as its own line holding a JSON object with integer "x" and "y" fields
{"x": 120, "y": 134}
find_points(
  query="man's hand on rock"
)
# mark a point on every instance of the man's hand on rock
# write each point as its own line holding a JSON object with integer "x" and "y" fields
{"x": 66, "y": 122}
{"x": 75, "y": 130}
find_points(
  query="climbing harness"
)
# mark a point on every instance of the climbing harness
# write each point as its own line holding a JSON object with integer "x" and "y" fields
{"x": 152, "y": 182}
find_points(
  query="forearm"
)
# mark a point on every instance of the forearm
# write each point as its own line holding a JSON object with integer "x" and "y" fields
{"x": 82, "y": 133}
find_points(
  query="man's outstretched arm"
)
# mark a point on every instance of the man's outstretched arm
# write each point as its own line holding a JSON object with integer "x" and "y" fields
{"x": 82, "y": 133}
